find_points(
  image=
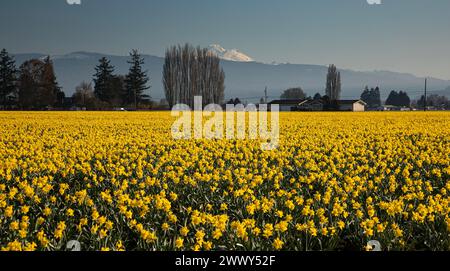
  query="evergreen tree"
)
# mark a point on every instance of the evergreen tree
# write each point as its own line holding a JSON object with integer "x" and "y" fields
{"x": 317, "y": 97}
{"x": 392, "y": 98}
{"x": 398, "y": 99}
{"x": 235, "y": 101}
{"x": 117, "y": 90}
{"x": 371, "y": 97}
{"x": 102, "y": 78}
{"x": 8, "y": 77}
{"x": 365, "y": 96}
{"x": 404, "y": 99}
{"x": 376, "y": 97}
{"x": 136, "y": 80}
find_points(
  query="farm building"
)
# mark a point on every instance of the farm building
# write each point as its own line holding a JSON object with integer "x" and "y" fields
{"x": 395, "y": 108}
{"x": 319, "y": 105}
{"x": 352, "y": 105}
{"x": 287, "y": 105}
{"x": 311, "y": 105}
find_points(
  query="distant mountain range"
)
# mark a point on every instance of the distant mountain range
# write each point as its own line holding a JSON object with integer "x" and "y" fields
{"x": 246, "y": 78}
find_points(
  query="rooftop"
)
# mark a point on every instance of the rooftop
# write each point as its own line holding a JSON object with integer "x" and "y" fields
{"x": 288, "y": 101}
{"x": 350, "y": 101}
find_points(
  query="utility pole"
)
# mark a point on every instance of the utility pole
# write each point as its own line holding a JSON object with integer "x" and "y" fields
{"x": 425, "y": 96}
{"x": 265, "y": 96}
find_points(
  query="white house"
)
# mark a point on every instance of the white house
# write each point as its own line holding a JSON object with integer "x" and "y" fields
{"x": 352, "y": 105}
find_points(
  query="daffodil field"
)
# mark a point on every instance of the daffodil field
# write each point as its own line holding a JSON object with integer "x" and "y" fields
{"x": 118, "y": 181}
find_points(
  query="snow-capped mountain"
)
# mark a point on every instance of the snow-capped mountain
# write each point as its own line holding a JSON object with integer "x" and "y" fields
{"x": 230, "y": 55}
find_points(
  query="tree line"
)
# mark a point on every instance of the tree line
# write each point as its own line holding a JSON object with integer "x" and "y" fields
{"x": 433, "y": 101}
{"x": 188, "y": 71}
{"x": 372, "y": 97}
{"x": 33, "y": 86}
{"x": 333, "y": 88}
{"x": 117, "y": 90}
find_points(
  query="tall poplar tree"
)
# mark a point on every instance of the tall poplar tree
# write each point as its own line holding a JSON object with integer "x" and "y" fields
{"x": 333, "y": 86}
{"x": 190, "y": 72}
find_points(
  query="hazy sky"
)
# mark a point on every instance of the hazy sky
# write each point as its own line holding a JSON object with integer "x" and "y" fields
{"x": 399, "y": 35}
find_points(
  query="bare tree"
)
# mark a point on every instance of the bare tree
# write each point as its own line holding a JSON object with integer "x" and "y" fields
{"x": 333, "y": 87}
{"x": 38, "y": 88}
{"x": 190, "y": 72}
{"x": 84, "y": 93}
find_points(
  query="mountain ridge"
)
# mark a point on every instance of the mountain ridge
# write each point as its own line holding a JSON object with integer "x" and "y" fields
{"x": 246, "y": 80}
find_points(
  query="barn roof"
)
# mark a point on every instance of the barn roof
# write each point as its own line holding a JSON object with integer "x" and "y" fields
{"x": 288, "y": 101}
{"x": 351, "y": 102}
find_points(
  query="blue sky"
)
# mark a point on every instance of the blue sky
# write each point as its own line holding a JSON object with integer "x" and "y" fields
{"x": 399, "y": 35}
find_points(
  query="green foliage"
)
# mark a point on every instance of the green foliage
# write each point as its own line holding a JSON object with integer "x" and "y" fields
{"x": 136, "y": 80}
{"x": 371, "y": 97}
{"x": 398, "y": 99}
{"x": 103, "y": 78}
{"x": 8, "y": 77}
{"x": 293, "y": 93}
{"x": 317, "y": 96}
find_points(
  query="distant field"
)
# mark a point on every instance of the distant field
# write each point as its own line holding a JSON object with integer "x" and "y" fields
{"x": 118, "y": 181}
